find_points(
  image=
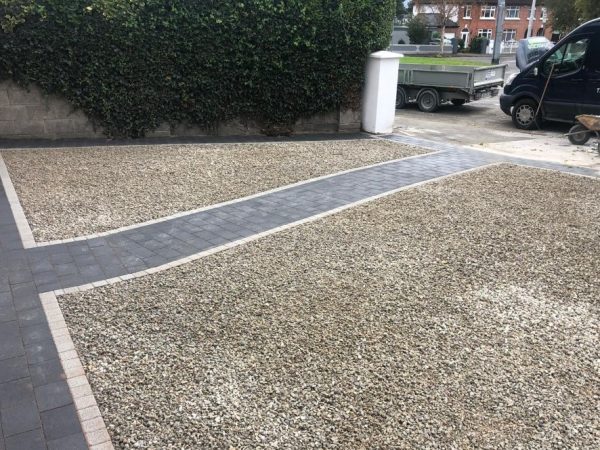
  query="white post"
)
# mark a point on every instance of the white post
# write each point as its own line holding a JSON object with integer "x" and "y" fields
{"x": 379, "y": 95}
{"x": 531, "y": 19}
{"x": 500, "y": 11}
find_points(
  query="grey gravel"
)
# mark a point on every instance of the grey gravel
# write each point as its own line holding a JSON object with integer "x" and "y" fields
{"x": 461, "y": 314}
{"x": 72, "y": 192}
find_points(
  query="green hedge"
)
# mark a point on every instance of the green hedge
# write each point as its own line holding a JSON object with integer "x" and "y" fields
{"x": 131, "y": 65}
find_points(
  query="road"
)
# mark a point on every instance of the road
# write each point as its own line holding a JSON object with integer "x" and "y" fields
{"x": 484, "y": 126}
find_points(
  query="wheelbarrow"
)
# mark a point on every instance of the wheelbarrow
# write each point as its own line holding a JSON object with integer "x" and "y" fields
{"x": 581, "y": 132}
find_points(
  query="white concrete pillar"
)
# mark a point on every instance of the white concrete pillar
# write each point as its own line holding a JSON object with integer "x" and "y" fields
{"x": 379, "y": 95}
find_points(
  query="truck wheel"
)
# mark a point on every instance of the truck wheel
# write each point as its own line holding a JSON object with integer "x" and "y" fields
{"x": 579, "y": 135}
{"x": 401, "y": 98}
{"x": 458, "y": 101}
{"x": 524, "y": 115}
{"x": 428, "y": 100}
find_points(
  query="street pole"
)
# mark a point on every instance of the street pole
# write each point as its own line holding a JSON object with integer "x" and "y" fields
{"x": 531, "y": 19}
{"x": 499, "y": 32}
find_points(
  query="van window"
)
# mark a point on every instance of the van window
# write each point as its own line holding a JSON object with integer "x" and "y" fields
{"x": 568, "y": 58}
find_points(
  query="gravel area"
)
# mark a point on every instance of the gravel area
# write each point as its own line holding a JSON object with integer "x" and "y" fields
{"x": 72, "y": 192}
{"x": 460, "y": 314}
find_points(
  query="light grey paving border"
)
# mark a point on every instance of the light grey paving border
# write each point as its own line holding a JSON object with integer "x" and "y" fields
{"x": 32, "y": 242}
{"x": 196, "y": 256}
{"x": 93, "y": 426}
{"x": 15, "y": 206}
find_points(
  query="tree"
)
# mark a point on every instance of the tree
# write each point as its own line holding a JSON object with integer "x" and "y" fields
{"x": 400, "y": 9}
{"x": 588, "y": 9}
{"x": 443, "y": 11}
{"x": 566, "y": 15}
{"x": 417, "y": 30}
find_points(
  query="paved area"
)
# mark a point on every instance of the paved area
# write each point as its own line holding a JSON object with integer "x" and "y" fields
{"x": 36, "y": 404}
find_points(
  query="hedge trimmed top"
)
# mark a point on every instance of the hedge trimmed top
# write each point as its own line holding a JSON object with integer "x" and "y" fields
{"x": 131, "y": 65}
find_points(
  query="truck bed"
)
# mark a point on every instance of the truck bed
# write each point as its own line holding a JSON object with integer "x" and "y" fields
{"x": 465, "y": 78}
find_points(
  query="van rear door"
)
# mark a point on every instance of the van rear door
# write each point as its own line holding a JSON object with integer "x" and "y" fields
{"x": 591, "y": 102}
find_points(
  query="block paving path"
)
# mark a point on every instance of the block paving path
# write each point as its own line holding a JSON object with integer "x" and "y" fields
{"x": 45, "y": 400}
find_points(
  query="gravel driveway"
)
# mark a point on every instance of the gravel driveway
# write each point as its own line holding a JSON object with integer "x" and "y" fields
{"x": 72, "y": 192}
{"x": 461, "y": 314}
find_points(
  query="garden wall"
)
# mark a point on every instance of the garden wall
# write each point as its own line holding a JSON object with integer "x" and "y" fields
{"x": 29, "y": 114}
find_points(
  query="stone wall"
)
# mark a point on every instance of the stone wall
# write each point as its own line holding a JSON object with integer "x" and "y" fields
{"x": 29, "y": 114}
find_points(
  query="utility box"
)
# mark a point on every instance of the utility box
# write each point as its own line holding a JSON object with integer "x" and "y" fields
{"x": 379, "y": 95}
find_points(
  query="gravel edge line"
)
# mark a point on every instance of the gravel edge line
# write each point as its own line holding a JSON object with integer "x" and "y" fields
{"x": 15, "y": 205}
{"x": 92, "y": 424}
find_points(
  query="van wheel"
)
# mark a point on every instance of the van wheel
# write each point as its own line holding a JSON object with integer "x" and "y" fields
{"x": 524, "y": 115}
{"x": 401, "y": 98}
{"x": 458, "y": 101}
{"x": 428, "y": 100}
{"x": 579, "y": 135}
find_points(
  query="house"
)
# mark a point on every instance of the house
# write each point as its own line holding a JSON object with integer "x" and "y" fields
{"x": 477, "y": 18}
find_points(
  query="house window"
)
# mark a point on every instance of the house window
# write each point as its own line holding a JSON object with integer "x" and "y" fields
{"x": 544, "y": 14}
{"x": 488, "y": 12}
{"x": 468, "y": 9}
{"x": 484, "y": 33}
{"x": 509, "y": 35}
{"x": 512, "y": 12}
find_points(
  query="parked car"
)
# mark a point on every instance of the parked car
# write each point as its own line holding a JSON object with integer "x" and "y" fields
{"x": 565, "y": 81}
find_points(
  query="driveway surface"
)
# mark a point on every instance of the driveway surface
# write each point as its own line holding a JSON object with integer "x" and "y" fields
{"x": 45, "y": 399}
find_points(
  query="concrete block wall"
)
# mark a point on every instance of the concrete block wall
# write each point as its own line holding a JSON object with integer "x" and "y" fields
{"x": 29, "y": 114}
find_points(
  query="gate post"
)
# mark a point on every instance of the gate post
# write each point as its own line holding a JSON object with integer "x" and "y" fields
{"x": 379, "y": 94}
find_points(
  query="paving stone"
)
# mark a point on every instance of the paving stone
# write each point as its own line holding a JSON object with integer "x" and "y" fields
{"x": 30, "y": 440}
{"x": 20, "y": 418}
{"x": 73, "y": 442}
{"x": 53, "y": 395}
{"x": 33, "y": 316}
{"x": 35, "y": 333}
{"x": 60, "y": 422}
{"x": 13, "y": 369}
{"x": 11, "y": 344}
{"x": 15, "y": 392}
{"x": 40, "y": 351}
{"x": 46, "y": 372}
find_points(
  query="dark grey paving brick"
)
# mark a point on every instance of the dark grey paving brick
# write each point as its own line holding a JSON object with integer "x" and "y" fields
{"x": 60, "y": 422}
{"x": 14, "y": 392}
{"x": 65, "y": 269}
{"x": 35, "y": 333}
{"x": 33, "y": 316}
{"x": 30, "y": 440}
{"x": 44, "y": 278}
{"x": 61, "y": 258}
{"x": 7, "y": 312}
{"x": 20, "y": 418}
{"x": 40, "y": 351}
{"x": 53, "y": 395}
{"x": 11, "y": 344}
{"x": 13, "y": 369}
{"x": 46, "y": 372}
{"x": 72, "y": 442}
